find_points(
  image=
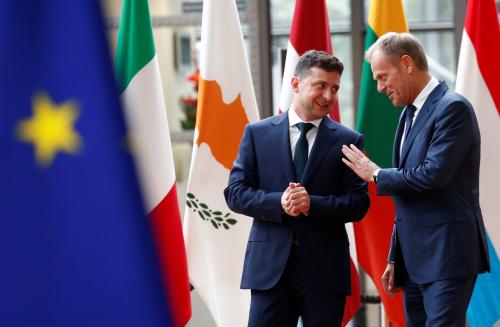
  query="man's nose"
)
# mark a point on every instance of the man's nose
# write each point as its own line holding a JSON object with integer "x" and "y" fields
{"x": 328, "y": 94}
{"x": 380, "y": 87}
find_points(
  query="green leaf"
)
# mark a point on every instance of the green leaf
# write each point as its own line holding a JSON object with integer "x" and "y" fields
{"x": 207, "y": 213}
{"x": 195, "y": 205}
{"x": 188, "y": 203}
{"x": 217, "y": 213}
{"x": 227, "y": 214}
{"x": 190, "y": 195}
{"x": 225, "y": 225}
{"x": 219, "y": 218}
{"x": 203, "y": 205}
{"x": 201, "y": 215}
{"x": 231, "y": 221}
{"x": 215, "y": 225}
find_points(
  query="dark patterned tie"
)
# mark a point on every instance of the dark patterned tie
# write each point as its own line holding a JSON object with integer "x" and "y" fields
{"x": 410, "y": 112}
{"x": 301, "y": 150}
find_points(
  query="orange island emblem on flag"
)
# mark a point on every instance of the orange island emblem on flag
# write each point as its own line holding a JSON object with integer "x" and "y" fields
{"x": 220, "y": 125}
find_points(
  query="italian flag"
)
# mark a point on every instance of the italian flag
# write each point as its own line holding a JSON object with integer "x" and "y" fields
{"x": 479, "y": 82}
{"x": 377, "y": 120}
{"x": 216, "y": 238}
{"x": 142, "y": 97}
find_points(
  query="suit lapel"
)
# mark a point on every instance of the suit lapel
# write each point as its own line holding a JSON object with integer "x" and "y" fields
{"x": 322, "y": 144}
{"x": 280, "y": 145}
{"x": 422, "y": 117}
{"x": 397, "y": 139}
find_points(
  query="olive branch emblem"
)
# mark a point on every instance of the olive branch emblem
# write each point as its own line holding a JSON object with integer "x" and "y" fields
{"x": 215, "y": 217}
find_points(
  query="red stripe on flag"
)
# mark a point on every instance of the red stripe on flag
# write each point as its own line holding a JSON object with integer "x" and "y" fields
{"x": 373, "y": 249}
{"x": 353, "y": 301}
{"x": 481, "y": 24}
{"x": 310, "y": 33}
{"x": 308, "y": 30}
{"x": 167, "y": 230}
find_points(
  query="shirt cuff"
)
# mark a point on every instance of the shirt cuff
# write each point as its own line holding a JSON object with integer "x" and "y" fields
{"x": 375, "y": 175}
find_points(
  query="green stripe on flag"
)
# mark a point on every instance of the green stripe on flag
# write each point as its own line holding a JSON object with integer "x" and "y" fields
{"x": 135, "y": 41}
{"x": 377, "y": 117}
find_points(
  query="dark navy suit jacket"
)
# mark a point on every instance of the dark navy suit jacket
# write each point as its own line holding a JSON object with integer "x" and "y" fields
{"x": 259, "y": 177}
{"x": 439, "y": 231}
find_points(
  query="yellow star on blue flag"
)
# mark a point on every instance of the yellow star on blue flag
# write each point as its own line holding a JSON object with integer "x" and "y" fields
{"x": 51, "y": 129}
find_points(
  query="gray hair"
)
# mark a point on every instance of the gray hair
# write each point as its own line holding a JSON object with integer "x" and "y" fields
{"x": 395, "y": 45}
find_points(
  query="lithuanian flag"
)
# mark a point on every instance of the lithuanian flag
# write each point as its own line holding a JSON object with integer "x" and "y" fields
{"x": 377, "y": 120}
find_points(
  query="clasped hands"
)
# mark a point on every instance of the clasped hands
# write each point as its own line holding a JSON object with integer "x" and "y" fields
{"x": 295, "y": 200}
{"x": 359, "y": 163}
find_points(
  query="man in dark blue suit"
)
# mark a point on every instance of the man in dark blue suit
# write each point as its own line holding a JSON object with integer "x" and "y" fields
{"x": 289, "y": 177}
{"x": 438, "y": 243}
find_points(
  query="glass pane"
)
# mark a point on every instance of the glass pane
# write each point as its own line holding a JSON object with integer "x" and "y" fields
{"x": 278, "y": 49}
{"x": 339, "y": 12}
{"x": 428, "y": 10}
{"x": 282, "y": 14}
{"x": 440, "y": 50}
{"x": 342, "y": 48}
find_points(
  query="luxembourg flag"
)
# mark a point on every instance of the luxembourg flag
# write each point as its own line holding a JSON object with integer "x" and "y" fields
{"x": 138, "y": 74}
{"x": 478, "y": 80}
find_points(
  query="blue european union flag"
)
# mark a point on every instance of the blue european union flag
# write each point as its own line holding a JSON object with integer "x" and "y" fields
{"x": 75, "y": 247}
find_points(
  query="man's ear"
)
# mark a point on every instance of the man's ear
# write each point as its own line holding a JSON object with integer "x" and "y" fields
{"x": 407, "y": 64}
{"x": 295, "y": 84}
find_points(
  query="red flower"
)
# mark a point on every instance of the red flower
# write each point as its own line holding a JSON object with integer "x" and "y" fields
{"x": 194, "y": 77}
{"x": 189, "y": 101}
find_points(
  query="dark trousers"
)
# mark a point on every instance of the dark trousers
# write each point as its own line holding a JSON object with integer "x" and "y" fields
{"x": 292, "y": 297}
{"x": 440, "y": 303}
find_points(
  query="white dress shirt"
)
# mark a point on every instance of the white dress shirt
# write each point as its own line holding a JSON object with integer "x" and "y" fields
{"x": 419, "y": 103}
{"x": 293, "y": 120}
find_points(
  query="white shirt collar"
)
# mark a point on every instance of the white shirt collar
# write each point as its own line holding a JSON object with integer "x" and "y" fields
{"x": 294, "y": 119}
{"x": 424, "y": 94}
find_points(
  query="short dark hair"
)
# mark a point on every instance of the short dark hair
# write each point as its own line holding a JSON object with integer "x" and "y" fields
{"x": 320, "y": 59}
